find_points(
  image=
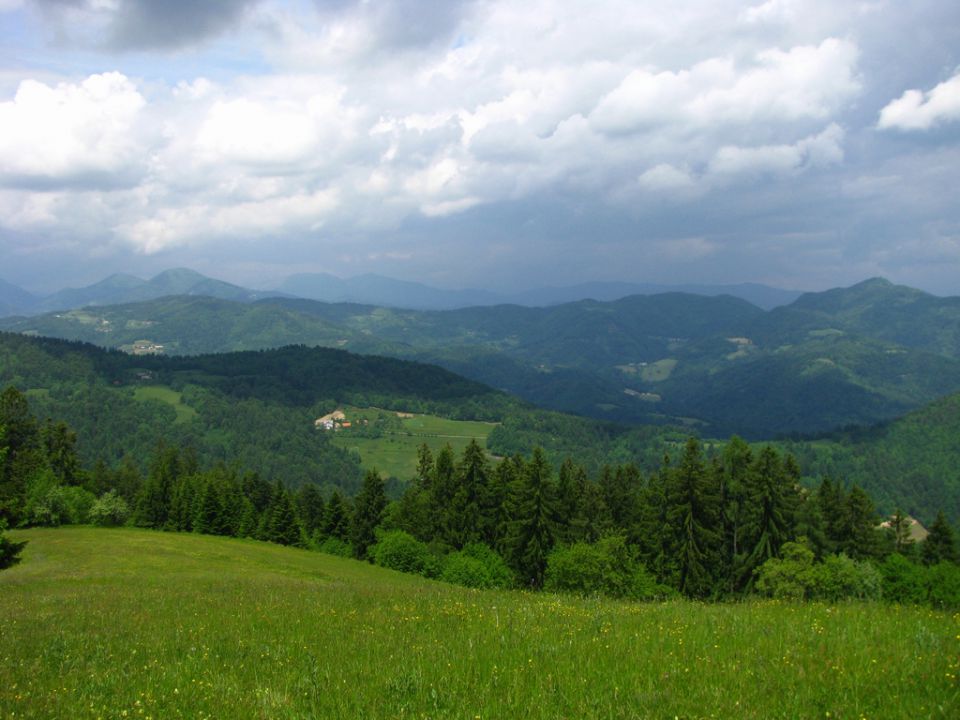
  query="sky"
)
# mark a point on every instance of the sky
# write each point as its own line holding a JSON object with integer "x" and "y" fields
{"x": 804, "y": 144}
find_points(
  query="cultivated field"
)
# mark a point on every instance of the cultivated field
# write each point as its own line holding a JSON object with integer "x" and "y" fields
{"x": 139, "y": 624}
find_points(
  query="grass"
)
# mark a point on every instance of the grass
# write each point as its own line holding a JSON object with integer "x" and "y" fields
{"x": 394, "y": 454}
{"x": 658, "y": 371}
{"x": 185, "y": 413}
{"x": 139, "y": 624}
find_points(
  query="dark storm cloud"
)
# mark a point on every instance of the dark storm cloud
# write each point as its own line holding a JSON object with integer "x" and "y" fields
{"x": 171, "y": 24}
{"x": 159, "y": 24}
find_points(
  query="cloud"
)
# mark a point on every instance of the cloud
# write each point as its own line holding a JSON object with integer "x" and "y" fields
{"x": 918, "y": 110}
{"x": 815, "y": 151}
{"x": 88, "y": 133}
{"x": 802, "y": 83}
{"x": 148, "y": 24}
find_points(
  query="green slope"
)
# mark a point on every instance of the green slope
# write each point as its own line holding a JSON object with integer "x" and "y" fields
{"x": 912, "y": 463}
{"x": 127, "y": 623}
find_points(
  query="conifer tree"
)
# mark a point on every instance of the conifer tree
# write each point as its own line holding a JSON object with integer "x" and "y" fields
{"x": 310, "y": 507}
{"x": 462, "y": 522}
{"x": 533, "y": 519}
{"x": 23, "y": 457}
{"x": 208, "y": 510}
{"x": 768, "y": 523}
{"x": 655, "y": 531}
{"x": 940, "y": 544}
{"x": 497, "y": 508}
{"x": 859, "y": 537}
{"x": 693, "y": 515}
{"x": 368, "y": 509}
{"x": 153, "y": 504}
{"x": 336, "y": 518}
{"x": 280, "y": 522}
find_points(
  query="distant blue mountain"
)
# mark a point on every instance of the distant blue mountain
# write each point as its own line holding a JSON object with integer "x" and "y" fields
{"x": 14, "y": 300}
{"x": 388, "y": 292}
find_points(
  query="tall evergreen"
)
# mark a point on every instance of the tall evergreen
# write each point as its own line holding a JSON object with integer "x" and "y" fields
{"x": 859, "y": 537}
{"x": 310, "y": 508}
{"x": 368, "y": 509}
{"x": 153, "y": 503}
{"x": 23, "y": 457}
{"x": 532, "y": 524}
{"x": 768, "y": 520}
{"x": 462, "y": 521}
{"x": 280, "y": 523}
{"x": 736, "y": 461}
{"x": 899, "y": 537}
{"x": 693, "y": 506}
{"x": 336, "y": 518}
{"x": 940, "y": 544}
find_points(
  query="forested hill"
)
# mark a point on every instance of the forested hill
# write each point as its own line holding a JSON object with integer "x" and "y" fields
{"x": 256, "y": 409}
{"x": 912, "y": 462}
{"x": 851, "y": 356}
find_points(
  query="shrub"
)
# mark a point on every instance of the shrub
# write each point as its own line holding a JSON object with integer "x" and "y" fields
{"x": 903, "y": 581}
{"x": 109, "y": 510}
{"x": 791, "y": 577}
{"x": 840, "y": 578}
{"x": 9, "y": 550}
{"x": 943, "y": 585}
{"x": 606, "y": 567}
{"x": 335, "y": 546}
{"x": 399, "y": 550}
{"x": 477, "y": 566}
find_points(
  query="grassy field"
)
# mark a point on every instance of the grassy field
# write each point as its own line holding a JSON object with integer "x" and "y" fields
{"x": 139, "y": 624}
{"x": 185, "y": 413}
{"x": 395, "y": 453}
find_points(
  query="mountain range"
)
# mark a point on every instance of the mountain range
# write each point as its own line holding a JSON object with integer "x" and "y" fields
{"x": 364, "y": 289}
{"x": 850, "y": 356}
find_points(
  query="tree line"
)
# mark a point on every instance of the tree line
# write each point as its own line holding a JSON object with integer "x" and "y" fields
{"x": 710, "y": 522}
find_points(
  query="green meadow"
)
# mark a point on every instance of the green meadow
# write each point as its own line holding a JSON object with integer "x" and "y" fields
{"x": 174, "y": 399}
{"x": 131, "y": 623}
{"x": 394, "y": 453}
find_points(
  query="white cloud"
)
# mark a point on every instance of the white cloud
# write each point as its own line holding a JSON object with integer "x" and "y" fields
{"x": 818, "y": 150}
{"x": 71, "y": 131}
{"x": 918, "y": 110}
{"x": 804, "y": 82}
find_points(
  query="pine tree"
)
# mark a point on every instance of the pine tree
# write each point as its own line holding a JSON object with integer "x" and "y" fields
{"x": 462, "y": 524}
{"x": 336, "y": 518}
{"x": 368, "y": 509}
{"x": 859, "y": 537}
{"x": 733, "y": 480}
{"x": 768, "y": 521}
{"x": 23, "y": 457}
{"x": 532, "y": 523}
{"x": 153, "y": 503}
{"x": 310, "y": 507}
{"x": 693, "y": 507}
{"x": 940, "y": 544}
{"x": 281, "y": 524}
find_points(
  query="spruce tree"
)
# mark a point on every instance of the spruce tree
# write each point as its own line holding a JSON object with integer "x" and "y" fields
{"x": 281, "y": 524}
{"x": 899, "y": 537}
{"x": 940, "y": 544}
{"x": 532, "y": 523}
{"x": 310, "y": 507}
{"x": 463, "y": 524}
{"x": 860, "y": 539}
{"x": 368, "y": 509}
{"x": 693, "y": 507}
{"x": 768, "y": 521}
{"x": 336, "y": 518}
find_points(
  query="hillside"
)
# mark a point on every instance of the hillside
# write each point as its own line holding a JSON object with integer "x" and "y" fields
{"x": 912, "y": 463}
{"x": 852, "y": 356}
{"x": 256, "y": 409}
{"x": 136, "y": 623}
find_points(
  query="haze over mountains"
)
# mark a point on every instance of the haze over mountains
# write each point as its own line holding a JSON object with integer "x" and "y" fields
{"x": 365, "y": 289}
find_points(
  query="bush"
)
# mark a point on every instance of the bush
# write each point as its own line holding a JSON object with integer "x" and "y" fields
{"x": 791, "y": 577}
{"x": 903, "y": 581}
{"x": 840, "y": 578}
{"x": 943, "y": 585}
{"x": 9, "y": 550}
{"x": 335, "y": 546}
{"x": 109, "y": 510}
{"x": 399, "y": 550}
{"x": 605, "y": 568}
{"x": 477, "y": 566}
